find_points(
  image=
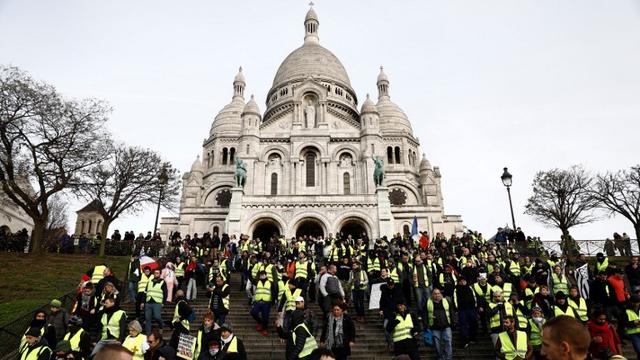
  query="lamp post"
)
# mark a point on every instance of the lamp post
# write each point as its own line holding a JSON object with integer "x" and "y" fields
{"x": 163, "y": 178}
{"x": 507, "y": 180}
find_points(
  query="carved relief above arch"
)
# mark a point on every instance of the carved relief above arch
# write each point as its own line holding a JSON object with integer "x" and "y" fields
{"x": 267, "y": 150}
{"x": 352, "y": 149}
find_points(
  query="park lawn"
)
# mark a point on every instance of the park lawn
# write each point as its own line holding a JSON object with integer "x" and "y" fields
{"x": 28, "y": 281}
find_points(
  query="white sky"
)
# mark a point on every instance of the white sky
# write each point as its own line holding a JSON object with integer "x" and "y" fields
{"x": 530, "y": 85}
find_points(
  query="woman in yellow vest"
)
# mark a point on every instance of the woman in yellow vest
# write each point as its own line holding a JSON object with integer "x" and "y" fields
{"x": 79, "y": 339}
{"x": 303, "y": 343}
{"x": 536, "y": 322}
{"x": 562, "y": 308}
{"x": 136, "y": 342}
{"x": 578, "y": 304}
{"x": 559, "y": 281}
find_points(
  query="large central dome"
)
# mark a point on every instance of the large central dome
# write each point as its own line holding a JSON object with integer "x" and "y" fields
{"x": 311, "y": 60}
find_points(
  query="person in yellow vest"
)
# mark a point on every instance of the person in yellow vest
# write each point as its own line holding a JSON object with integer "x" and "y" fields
{"x": 440, "y": 321}
{"x": 562, "y": 308}
{"x": 301, "y": 342}
{"x": 142, "y": 290}
{"x": 262, "y": 300}
{"x": 482, "y": 289}
{"x": 97, "y": 273}
{"x": 358, "y": 277}
{"x": 503, "y": 287}
{"x": 403, "y": 327}
{"x": 536, "y": 322}
{"x": 156, "y": 294}
{"x": 497, "y": 310}
{"x": 180, "y": 266}
{"x": 287, "y": 303}
{"x": 602, "y": 263}
{"x": 304, "y": 272}
{"x": 512, "y": 344}
{"x": 209, "y": 332}
{"x": 219, "y": 303}
{"x": 559, "y": 281}
{"x": 136, "y": 341}
{"x": 182, "y": 317}
{"x": 113, "y": 321}
{"x": 631, "y": 322}
{"x": 79, "y": 339}
{"x": 578, "y": 303}
{"x": 36, "y": 347}
{"x": 232, "y": 348}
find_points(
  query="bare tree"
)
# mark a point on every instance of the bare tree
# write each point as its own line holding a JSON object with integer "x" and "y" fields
{"x": 619, "y": 193}
{"x": 561, "y": 198}
{"x": 127, "y": 182}
{"x": 58, "y": 213}
{"x": 46, "y": 142}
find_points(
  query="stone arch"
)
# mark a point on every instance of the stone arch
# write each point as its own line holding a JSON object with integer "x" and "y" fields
{"x": 312, "y": 145}
{"x": 354, "y": 151}
{"x": 406, "y": 185}
{"x": 281, "y": 150}
{"x": 212, "y": 190}
{"x": 310, "y": 216}
{"x": 264, "y": 225}
{"x": 5, "y": 229}
{"x": 360, "y": 219}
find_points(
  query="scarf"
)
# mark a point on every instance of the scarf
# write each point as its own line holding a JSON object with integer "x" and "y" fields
{"x": 85, "y": 305}
{"x": 334, "y": 342}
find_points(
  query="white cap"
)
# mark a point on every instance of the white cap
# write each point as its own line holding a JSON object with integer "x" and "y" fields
{"x": 483, "y": 275}
{"x": 299, "y": 299}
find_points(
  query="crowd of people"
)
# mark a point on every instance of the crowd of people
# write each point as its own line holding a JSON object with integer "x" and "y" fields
{"x": 532, "y": 306}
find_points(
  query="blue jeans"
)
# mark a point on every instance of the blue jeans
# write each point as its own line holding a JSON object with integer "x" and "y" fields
{"x": 260, "y": 312}
{"x": 635, "y": 341}
{"x": 152, "y": 311}
{"x": 422, "y": 295}
{"x": 443, "y": 341}
{"x": 133, "y": 290}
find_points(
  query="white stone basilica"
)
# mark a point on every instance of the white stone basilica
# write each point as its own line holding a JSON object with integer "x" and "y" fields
{"x": 309, "y": 160}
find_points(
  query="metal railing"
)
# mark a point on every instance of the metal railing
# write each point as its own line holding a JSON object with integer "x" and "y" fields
{"x": 11, "y": 333}
{"x": 592, "y": 247}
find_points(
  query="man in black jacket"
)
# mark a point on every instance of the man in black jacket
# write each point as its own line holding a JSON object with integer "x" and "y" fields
{"x": 134, "y": 276}
{"x": 465, "y": 302}
{"x": 403, "y": 327}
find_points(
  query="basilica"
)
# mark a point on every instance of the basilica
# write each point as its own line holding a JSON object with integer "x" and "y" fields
{"x": 310, "y": 159}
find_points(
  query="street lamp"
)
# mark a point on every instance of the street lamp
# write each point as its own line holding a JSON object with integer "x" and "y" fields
{"x": 507, "y": 182}
{"x": 163, "y": 179}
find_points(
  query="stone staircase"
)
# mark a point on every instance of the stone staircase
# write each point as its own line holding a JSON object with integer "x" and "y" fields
{"x": 370, "y": 342}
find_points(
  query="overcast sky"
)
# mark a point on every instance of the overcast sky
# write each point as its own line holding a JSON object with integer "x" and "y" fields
{"x": 526, "y": 84}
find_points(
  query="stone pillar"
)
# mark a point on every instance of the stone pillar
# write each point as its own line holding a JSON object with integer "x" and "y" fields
{"x": 233, "y": 222}
{"x": 385, "y": 217}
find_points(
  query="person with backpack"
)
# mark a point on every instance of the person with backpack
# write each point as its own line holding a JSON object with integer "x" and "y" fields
{"x": 183, "y": 315}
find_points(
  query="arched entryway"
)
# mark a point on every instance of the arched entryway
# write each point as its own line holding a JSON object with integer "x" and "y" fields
{"x": 354, "y": 227}
{"x": 309, "y": 227}
{"x": 265, "y": 229}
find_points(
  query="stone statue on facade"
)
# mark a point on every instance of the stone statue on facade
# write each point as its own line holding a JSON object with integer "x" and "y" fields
{"x": 310, "y": 115}
{"x": 241, "y": 173}
{"x": 378, "y": 172}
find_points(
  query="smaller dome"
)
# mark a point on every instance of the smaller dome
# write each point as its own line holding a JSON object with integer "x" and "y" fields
{"x": 251, "y": 107}
{"x": 392, "y": 118}
{"x": 382, "y": 76}
{"x": 240, "y": 76}
{"x": 425, "y": 164}
{"x": 368, "y": 106}
{"x": 197, "y": 166}
{"x": 311, "y": 15}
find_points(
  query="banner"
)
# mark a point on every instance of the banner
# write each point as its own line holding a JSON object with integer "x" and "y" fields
{"x": 582, "y": 280}
{"x": 186, "y": 346}
{"x": 374, "y": 298}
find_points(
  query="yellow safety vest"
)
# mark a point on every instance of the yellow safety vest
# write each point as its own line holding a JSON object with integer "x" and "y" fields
{"x": 75, "y": 340}
{"x": 522, "y": 319}
{"x": 290, "y": 305}
{"x": 486, "y": 293}
{"x": 176, "y": 316}
{"x": 269, "y": 270}
{"x": 602, "y": 267}
{"x": 558, "y": 312}
{"x": 281, "y": 288}
{"x": 112, "y": 325}
{"x": 310, "y": 343}
{"x": 496, "y": 319}
{"x": 361, "y": 274}
{"x": 430, "y": 305}
{"x": 233, "y": 345}
{"x": 559, "y": 283}
{"x": 505, "y": 289}
{"x": 134, "y": 344}
{"x": 580, "y": 308}
{"x": 98, "y": 274}
{"x": 34, "y": 353}
{"x": 536, "y": 334}
{"x": 301, "y": 269}
{"x": 508, "y": 349}
{"x": 632, "y": 316}
{"x": 453, "y": 276}
{"x": 514, "y": 267}
{"x": 402, "y": 331}
{"x": 263, "y": 291}
{"x": 425, "y": 273}
{"x": 394, "y": 275}
{"x": 142, "y": 284}
{"x": 225, "y": 300}
{"x": 154, "y": 291}
{"x": 373, "y": 265}
{"x": 180, "y": 270}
